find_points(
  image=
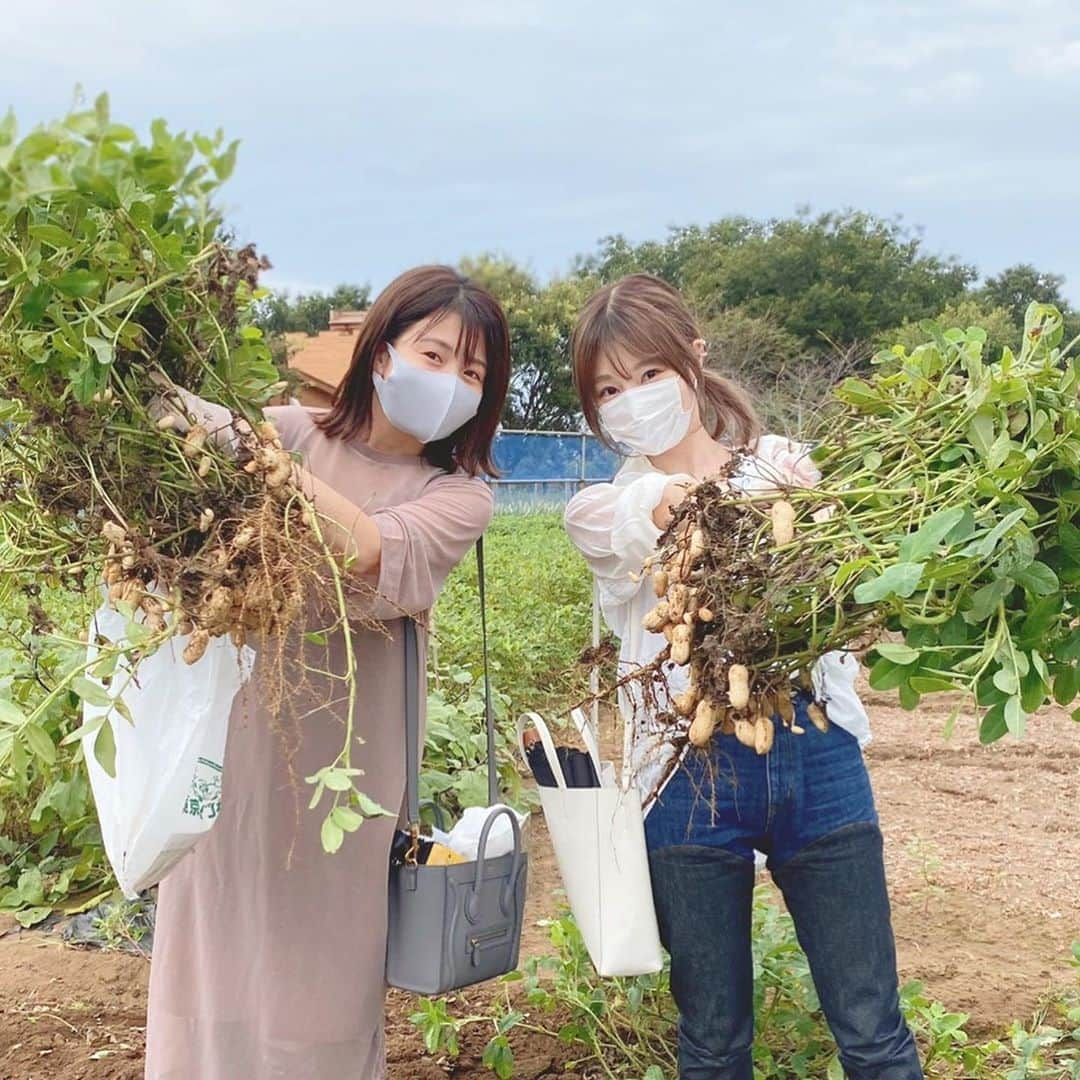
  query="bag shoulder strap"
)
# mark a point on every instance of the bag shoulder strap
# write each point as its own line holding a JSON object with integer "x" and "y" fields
{"x": 489, "y": 711}
{"x": 416, "y": 683}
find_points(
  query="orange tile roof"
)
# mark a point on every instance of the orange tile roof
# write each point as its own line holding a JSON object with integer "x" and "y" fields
{"x": 324, "y": 360}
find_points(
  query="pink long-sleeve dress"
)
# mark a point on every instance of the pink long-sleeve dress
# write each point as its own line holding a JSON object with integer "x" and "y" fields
{"x": 269, "y": 954}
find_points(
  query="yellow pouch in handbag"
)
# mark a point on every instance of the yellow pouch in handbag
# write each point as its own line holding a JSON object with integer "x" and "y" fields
{"x": 441, "y": 855}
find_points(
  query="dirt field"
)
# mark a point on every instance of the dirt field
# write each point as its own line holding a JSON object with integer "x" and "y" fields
{"x": 983, "y": 847}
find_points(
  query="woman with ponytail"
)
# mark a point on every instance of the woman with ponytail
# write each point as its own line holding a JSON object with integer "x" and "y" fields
{"x": 640, "y": 371}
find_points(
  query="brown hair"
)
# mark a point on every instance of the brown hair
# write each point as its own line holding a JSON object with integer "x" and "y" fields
{"x": 648, "y": 318}
{"x": 430, "y": 292}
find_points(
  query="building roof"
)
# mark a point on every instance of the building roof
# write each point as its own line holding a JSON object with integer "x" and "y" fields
{"x": 324, "y": 360}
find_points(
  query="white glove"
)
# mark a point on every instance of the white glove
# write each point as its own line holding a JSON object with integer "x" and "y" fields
{"x": 185, "y": 408}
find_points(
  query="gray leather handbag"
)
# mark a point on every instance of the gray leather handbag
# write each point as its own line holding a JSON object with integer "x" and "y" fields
{"x": 451, "y": 926}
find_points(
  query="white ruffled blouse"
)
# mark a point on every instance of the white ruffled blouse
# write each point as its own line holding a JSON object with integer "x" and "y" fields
{"x": 611, "y": 524}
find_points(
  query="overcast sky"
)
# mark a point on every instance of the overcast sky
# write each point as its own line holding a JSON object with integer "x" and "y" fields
{"x": 378, "y": 136}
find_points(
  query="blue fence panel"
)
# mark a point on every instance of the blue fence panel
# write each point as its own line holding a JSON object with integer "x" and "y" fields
{"x": 545, "y": 468}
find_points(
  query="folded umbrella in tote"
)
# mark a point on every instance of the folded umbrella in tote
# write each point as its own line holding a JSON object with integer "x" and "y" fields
{"x": 577, "y": 767}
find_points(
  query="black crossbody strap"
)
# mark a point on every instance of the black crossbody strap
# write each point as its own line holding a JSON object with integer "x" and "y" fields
{"x": 416, "y": 684}
{"x": 489, "y": 712}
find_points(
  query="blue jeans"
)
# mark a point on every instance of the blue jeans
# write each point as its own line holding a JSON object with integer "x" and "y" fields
{"x": 808, "y": 805}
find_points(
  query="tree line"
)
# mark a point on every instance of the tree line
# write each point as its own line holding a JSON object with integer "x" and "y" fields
{"x": 788, "y": 305}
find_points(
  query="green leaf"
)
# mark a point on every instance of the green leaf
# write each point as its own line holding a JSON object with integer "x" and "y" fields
{"x": 510, "y": 1020}
{"x": 1066, "y": 684}
{"x": 1033, "y": 691}
{"x": 103, "y": 349}
{"x": 930, "y": 535}
{"x": 105, "y": 749}
{"x": 331, "y": 834}
{"x": 84, "y": 730}
{"x": 224, "y": 163}
{"x": 901, "y": 579}
{"x": 1042, "y": 615}
{"x": 993, "y": 726}
{"x": 984, "y": 601}
{"x": 984, "y": 546}
{"x": 31, "y": 916}
{"x": 36, "y": 302}
{"x": 909, "y": 696}
{"x": 10, "y": 713}
{"x": 1069, "y": 538}
{"x": 1038, "y": 579}
{"x": 369, "y": 807}
{"x": 1000, "y": 450}
{"x": 835, "y": 1070}
{"x": 859, "y": 393}
{"x": 91, "y": 692}
{"x": 930, "y": 684}
{"x": 846, "y": 570}
{"x": 336, "y": 780}
{"x": 499, "y": 1057}
{"x": 1006, "y": 681}
{"x": 1015, "y": 718}
{"x": 346, "y": 819}
{"x": 79, "y": 284}
{"x": 52, "y": 234}
{"x": 39, "y": 742}
{"x": 897, "y": 653}
{"x": 315, "y": 637}
{"x": 980, "y": 432}
{"x": 885, "y": 675}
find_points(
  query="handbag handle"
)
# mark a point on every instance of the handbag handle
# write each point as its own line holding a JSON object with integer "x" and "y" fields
{"x": 415, "y": 678}
{"x": 472, "y": 901}
{"x": 588, "y": 737}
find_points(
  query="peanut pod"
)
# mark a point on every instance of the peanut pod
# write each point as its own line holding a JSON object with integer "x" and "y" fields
{"x": 681, "y": 636}
{"x": 783, "y": 522}
{"x": 738, "y": 686}
{"x": 701, "y": 730}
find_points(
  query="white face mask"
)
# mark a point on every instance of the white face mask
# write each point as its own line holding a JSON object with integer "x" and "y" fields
{"x": 429, "y": 405}
{"x": 648, "y": 419}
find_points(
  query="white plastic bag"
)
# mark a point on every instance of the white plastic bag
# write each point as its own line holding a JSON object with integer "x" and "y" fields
{"x": 167, "y": 789}
{"x": 464, "y": 837}
{"x": 598, "y": 834}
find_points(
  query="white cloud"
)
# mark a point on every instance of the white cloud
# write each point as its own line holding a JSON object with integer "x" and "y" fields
{"x": 1058, "y": 60}
{"x": 956, "y": 88}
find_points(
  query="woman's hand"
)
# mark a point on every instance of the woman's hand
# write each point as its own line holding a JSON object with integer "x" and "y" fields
{"x": 182, "y": 409}
{"x": 793, "y": 463}
{"x": 672, "y": 496}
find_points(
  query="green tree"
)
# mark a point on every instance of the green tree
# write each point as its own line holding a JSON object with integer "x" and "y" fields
{"x": 541, "y": 320}
{"x": 964, "y": 313}
{"x": 308, "y": 312}
{"x": 1016, "y": 287}
{"x": 834, "y": 278}
{"x": 668, "y": 259}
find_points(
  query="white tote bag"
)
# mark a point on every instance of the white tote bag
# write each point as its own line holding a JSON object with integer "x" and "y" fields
{"x": 599, "y": 839}
{"x": 166, "y": 793}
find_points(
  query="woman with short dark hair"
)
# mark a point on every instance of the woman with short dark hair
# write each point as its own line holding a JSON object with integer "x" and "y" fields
{"x": 269, "y": 954}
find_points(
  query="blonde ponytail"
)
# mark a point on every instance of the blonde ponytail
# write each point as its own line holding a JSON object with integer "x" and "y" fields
{"x": 727, "y": 411}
